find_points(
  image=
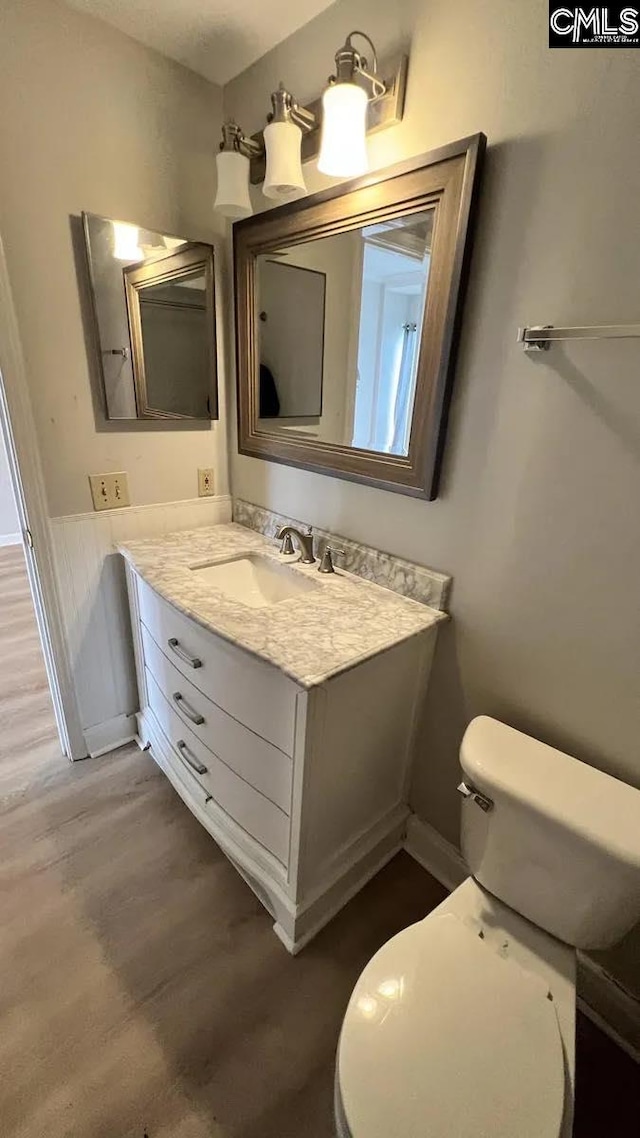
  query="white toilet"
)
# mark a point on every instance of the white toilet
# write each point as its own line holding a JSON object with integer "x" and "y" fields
{"x": 463, "y": 1024}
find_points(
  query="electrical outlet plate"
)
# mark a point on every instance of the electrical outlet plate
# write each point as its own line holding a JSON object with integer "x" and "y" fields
{"x": 205, "y": 482}
{"x": 109, "y": 491}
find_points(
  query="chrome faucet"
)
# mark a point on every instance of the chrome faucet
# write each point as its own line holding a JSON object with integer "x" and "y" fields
{"x": 305, "y": 541}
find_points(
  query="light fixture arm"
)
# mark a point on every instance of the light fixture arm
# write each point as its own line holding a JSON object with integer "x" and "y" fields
{"x": 286, "y": 108}
{"x": 234, "y": 139}
{"x": 349, "y": 63}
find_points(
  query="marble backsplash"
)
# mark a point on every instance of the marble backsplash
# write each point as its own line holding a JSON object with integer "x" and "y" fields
{"x": 403, "y": 577}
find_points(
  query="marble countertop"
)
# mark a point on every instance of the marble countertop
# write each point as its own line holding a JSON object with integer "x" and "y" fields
{"x": 309, "y": 637}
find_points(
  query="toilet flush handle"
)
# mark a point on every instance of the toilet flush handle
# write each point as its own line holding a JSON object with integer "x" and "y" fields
{"x": 480, "y": 800}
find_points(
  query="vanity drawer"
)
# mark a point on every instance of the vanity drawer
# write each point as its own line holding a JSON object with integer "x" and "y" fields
{"x": 249, "y": 755}
{"x": 256, "y": 814}
{"x": 254, "y": 692}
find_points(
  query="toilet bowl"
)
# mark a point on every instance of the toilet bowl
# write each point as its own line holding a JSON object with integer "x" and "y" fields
{"x": 464, "y": 1023}
{"x": 470, "y": 1014}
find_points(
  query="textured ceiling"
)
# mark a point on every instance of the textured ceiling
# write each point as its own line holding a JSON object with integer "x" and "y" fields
{"x": 216, "y": 38}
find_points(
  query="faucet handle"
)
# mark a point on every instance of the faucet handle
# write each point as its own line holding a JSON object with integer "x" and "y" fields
{"x": 287, "y": 544}
{"x": 326, "y": 562}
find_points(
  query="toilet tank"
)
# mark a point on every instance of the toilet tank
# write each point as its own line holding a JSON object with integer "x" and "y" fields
{"x": 560, "y": 842}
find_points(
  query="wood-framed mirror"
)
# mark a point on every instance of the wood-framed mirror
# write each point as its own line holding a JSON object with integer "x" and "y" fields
{"x": 348, "y": 308}
{"x": 170, "y": 306}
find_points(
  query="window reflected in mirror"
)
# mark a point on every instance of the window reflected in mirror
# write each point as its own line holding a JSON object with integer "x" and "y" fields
{"x": 339, "y": 324}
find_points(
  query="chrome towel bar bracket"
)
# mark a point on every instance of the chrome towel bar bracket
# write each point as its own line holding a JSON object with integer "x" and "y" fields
{"x": 538, "y": 338}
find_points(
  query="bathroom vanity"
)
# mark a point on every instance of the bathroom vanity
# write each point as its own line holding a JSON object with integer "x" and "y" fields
{"x": 281, "y": 703}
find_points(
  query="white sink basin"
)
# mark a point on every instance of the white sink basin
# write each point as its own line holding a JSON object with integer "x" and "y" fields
{"x": 254, "y": 580}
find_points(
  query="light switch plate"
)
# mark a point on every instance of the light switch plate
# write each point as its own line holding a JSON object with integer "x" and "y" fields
{"x": 205, "y": 482}
{"x": 109, "y": 491}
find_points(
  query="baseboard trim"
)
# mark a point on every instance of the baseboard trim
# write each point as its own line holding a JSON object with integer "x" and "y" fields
{"x": 10, "y": 539}
{"x": 107, "y": 736}
{"x": 611, "y": 1007}
{"x": 434, "y": 853}
{"x": 599, "y": 996}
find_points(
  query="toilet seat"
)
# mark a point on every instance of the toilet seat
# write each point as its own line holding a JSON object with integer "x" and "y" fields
{"x": 444, "y": 1036}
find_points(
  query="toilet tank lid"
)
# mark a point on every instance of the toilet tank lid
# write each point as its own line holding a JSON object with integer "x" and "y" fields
{"x": 604, "y": 811}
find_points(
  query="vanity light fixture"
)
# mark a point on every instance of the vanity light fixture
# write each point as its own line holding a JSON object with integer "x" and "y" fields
{"x": 232, "y": 162}
{"x": 126, "y": 245}
{"x": 358, "y": 99}
{"x": 345, "y": 105}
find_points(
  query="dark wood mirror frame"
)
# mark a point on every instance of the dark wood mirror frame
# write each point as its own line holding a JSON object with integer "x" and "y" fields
{"x": 167, "y": 270}
{"x": 447, "y": 180}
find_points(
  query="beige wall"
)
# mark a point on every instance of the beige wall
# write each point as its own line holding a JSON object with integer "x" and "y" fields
{"x": 91, "y": 120}
{"x": 538, "y": 515}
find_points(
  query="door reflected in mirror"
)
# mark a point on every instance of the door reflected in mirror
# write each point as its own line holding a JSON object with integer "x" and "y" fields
{"x": 291, "y": 303}
{"x": 339, "y": 331}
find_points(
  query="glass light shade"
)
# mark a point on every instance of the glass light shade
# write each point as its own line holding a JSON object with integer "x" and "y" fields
{"x": 232, "y": 198}
{"x": 284, "y": 178}
{"x": 343, "y": 146}
{"x": 125, "y": 242}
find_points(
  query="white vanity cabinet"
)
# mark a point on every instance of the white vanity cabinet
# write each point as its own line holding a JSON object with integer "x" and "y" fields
{"x": 305, "y": 789}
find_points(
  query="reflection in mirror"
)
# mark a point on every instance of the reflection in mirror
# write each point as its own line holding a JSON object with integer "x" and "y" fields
{"x": 291, "y": 303}
{"x": 170, "y": 337}
{"x": 154, "y": 310}
{"x": 339, "y": 331}
{"x": 175, "y": 338}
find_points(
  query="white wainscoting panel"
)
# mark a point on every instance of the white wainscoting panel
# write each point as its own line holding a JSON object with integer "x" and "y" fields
{"x": 93, "y": 597}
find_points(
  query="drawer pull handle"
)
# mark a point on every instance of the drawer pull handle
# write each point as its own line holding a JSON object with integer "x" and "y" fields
{"x": 176, "y": 647}
{"x": 190, "y": 759}
{"x": 194, "y": 716}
